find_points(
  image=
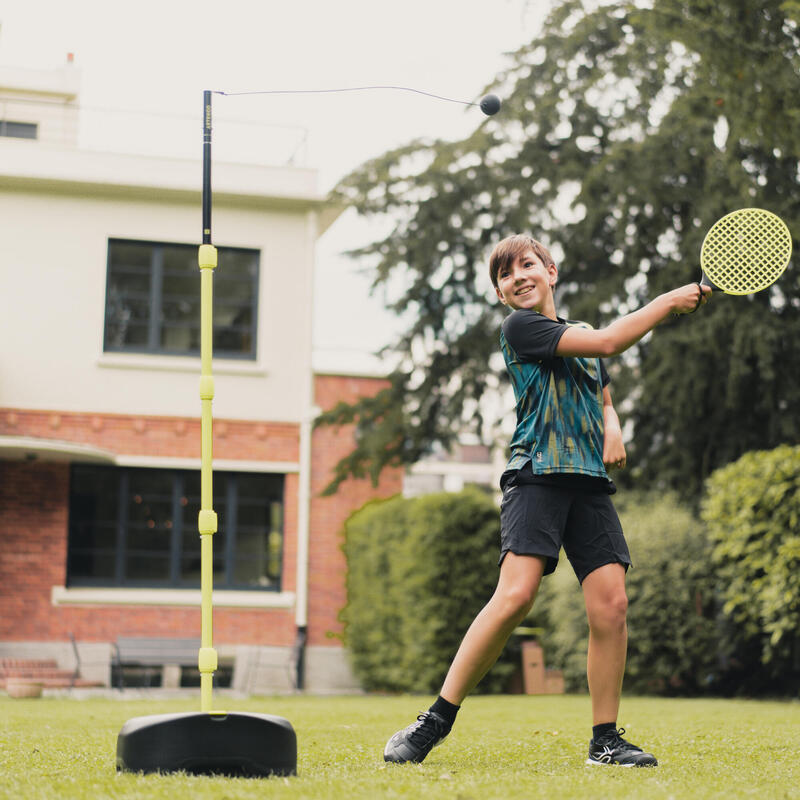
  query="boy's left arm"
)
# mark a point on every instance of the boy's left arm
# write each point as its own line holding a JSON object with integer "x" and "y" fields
{"x": 613, "y": 446}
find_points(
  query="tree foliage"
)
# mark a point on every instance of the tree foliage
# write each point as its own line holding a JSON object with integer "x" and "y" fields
{"x": 626, "y": 131}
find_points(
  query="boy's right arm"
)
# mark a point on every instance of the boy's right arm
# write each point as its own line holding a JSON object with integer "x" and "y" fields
{"x": 626, "y": 331}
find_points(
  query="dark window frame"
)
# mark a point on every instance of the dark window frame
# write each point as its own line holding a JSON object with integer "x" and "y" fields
{"x": 155, "y": 321}
{"x": 19, "y": 130}
{"x": 228, "y": 549}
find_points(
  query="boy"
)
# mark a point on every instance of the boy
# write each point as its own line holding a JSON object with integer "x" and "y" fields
{"x": 556, "y": 492}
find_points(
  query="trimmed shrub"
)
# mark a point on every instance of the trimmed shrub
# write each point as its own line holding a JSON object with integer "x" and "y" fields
{"x": 673, "y": 637}
{"x": 752, "y": 509}
{"x": 372, "y": 617}
{"x": 419, "y": 570}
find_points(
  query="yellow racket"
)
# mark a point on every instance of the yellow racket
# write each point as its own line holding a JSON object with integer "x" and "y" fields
{"x": 745, "y": 251}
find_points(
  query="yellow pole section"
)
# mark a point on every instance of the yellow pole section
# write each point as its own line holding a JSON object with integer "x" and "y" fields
{"x": 207, "y": 519}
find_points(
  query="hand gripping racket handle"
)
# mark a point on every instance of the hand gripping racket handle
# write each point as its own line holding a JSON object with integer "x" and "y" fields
{"x": 700, "y": 298}
{"x": 704, "y": 281}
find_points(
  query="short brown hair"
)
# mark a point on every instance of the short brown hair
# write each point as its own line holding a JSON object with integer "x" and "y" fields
{"x": 512, "y": 247}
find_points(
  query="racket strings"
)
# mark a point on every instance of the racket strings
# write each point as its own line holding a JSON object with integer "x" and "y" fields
{"x": 746, "y": 251}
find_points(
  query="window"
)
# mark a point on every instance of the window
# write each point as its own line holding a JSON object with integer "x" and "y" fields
{"x": 138, "y": 527}
{"x": 153, "y": 300}
{"x": 19, "y": 130}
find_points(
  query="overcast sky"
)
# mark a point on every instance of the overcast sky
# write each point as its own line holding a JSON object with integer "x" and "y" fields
{"x": 155, "y": 58}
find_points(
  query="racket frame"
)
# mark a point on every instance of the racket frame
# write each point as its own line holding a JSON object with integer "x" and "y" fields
{"x": 718, "y": 275}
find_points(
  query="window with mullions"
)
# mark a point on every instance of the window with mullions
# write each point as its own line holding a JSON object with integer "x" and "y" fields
{"x": 153, "y": 300}
{"x": 138, "y": 527}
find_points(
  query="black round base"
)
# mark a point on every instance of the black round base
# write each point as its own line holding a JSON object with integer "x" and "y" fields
{"x": 240, "y": 745}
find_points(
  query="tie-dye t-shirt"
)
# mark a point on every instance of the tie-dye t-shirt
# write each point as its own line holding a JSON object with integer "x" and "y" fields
{"x": 559, "y": 400}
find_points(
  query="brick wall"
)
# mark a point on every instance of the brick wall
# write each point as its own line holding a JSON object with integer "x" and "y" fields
{"x": 326, "y": 560}
{"x": 176, "y": 437}
{"x": 34, "y": 518}
{"x": 33, "y": 547}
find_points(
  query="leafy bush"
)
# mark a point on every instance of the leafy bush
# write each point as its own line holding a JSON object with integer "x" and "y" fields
{"x": 752, "y": 510}
{"x": 419, "y": 570}
{"x": 714, "y": 602}
{"x": 673, "y": 636}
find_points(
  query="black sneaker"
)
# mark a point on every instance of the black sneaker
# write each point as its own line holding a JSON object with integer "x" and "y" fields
{"x": 417, "y": 740}
{"x": 611, "y": 748}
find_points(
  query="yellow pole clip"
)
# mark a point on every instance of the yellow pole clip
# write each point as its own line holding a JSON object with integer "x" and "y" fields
{"x": 207, "y": 521}
{"x": 207, "y": 256}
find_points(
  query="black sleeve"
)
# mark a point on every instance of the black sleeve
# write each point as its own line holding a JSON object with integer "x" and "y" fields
{"x": 605, "y": 379}
{"x": 533, "y": 336}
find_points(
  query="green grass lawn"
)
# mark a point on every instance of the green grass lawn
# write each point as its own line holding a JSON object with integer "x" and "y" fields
{"x": 502, "y": 747}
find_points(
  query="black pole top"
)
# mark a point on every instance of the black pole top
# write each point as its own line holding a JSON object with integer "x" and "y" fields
{"x": 207, "y": 167}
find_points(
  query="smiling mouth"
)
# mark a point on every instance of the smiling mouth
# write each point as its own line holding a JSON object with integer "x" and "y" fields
{"x": 524, "y": 290}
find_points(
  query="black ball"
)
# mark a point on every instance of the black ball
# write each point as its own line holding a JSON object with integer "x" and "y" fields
{"x": 490, "y": 104}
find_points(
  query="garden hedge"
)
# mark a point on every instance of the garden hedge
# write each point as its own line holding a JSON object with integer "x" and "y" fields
{"x": 752, "y": 509}
{"x": 419, "y": 570}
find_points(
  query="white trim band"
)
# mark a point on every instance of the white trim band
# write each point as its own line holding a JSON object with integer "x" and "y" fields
{"x": 161, "y": 363}
{"x": 220, "y": 464}
{"x": 89, "y": 596}
{"x": 32, "y": 448}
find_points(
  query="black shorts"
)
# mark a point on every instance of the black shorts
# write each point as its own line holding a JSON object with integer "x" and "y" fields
{"x": 538, "y": 518}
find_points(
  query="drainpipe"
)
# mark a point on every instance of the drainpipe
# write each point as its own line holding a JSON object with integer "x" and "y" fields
{"x": 303, "y": 531}
{"x": 308, "y": 412}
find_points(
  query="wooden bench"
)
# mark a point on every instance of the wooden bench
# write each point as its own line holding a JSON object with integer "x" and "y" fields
{"x": 153, "y": 652}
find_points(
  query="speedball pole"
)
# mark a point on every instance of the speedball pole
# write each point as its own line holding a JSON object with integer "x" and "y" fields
{"x": 216, "y": 742}
{"x": 207, "y": 519}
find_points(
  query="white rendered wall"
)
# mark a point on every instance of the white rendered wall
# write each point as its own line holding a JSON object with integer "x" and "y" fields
{"x": 46, "y": 98}
{"x": 53, "y": 252}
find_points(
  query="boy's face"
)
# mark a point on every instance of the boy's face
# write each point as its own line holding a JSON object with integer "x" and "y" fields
{"x": 528, "y": 283}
